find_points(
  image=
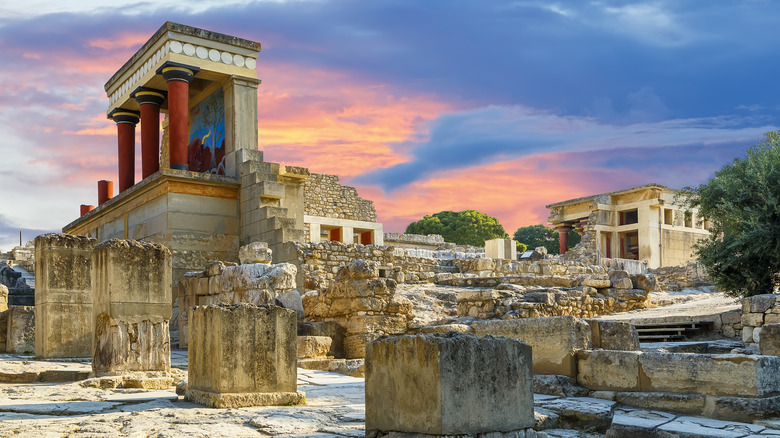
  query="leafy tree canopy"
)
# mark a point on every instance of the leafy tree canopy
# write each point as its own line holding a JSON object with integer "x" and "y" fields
{"x": 468, "y": 227}
{"x": 742, "y": 203}
{"x": 534, "y": 236}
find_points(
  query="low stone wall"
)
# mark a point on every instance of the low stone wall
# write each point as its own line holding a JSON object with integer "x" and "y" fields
{"x": 362, "y": 303}
{"x": 422, "y": 241}
{"x": 225, "y": 283}
{"x": 673, "y": 278}
{"x": 757, "y": 311}
{"x": 320, "y": 262}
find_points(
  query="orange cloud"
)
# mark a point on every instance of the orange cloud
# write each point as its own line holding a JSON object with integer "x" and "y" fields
{"x": 334, "y": 123}
{"x": 124, "y": 40}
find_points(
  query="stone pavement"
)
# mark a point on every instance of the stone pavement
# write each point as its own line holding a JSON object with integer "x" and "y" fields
{"x": 334, "y": 408}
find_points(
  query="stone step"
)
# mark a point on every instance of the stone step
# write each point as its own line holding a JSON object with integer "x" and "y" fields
{"x": 281, "y": 235}
{"x": 670, "y": 331}
{"x": 267, "y": 212}
{"x": 277, "y": 222}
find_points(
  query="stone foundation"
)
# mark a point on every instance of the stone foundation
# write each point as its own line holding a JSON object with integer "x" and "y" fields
{"x": 242, "y": 355}
{"x": 447, "y": 384}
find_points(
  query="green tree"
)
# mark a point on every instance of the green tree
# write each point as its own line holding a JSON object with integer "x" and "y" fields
{"x": 468, "y": 227}
{"x": 534, "y": 236}
{"x": 742, "y": 204}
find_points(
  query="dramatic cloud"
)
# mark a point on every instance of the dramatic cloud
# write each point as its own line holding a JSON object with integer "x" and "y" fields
{"x": 425, "y": 106}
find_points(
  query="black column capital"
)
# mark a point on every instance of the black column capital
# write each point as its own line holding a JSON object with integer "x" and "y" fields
{"x": 121, "y": 115}
{"x": 144, "y": 95}
{"x": 174, "y": 71}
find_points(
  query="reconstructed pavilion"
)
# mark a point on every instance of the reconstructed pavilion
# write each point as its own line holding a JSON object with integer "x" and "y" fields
{"x": 205, "y": 189}
{"x": 641, "y": 223}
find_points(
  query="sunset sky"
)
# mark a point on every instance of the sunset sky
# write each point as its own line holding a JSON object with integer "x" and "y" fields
{"x": 423, "y": 105}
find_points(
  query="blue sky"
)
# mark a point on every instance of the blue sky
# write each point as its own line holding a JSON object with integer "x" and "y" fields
{"x": 424, "y": 106}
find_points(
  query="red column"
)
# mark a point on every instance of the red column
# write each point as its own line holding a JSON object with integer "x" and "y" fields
{"x": 105, "y": 191}
{"x": 563, "y": 238}
{"x": 178, "y": 77}
{"x": 149, "y": 101}
{"x": 125, "y": 128}
{"x": 86, "y": 209}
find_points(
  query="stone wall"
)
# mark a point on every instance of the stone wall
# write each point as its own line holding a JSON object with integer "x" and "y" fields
{"x": 673, "y": 278}
{"x": 757, "y": 311}
{"x": 421, "y": 241}
{"x": 325, "y": 197}
{"x": 320, "y": 262}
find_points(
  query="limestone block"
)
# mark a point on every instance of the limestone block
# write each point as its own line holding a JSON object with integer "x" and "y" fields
{"x": 617, "y": 275}
{"x": 758, "y": 303}
{"x": 645, "y": 282}
{"x": 131, "y": 284}
{"x": 290, "y": 299}
{"x": 3, "y": 330}
{"x": 630, "y": 294}
{"x": 335, "y": 331}
{"x": 255, "y": 252}
{"x": 757, "y": 335}
{"x": 685, "y": 403}
{"x": 747, "y": 334}
{"x": 448, "y": 384}
{"x": 313, "y": 346}
{"x": 599, "y": 282}
{"x": 753, "y": 319}
{"x": 358, "y": 269}
{"x": 606, "y": 370}
{"x": 3, "y": 298}
{"x": 383, "y": 324}
{"x": 20, "y": 335}
{"x": 355, "y": 345}
{"x": 711, "y": 374}
{"x": 771, "y": 318}
{"x": 63, "y": 295}
{"x": 614, "y": 335}
{"x": 769, "y": 342}
{"x": 623, "y": 283}
{"x": 242, "y": 355}
{"x": 555, "y": 340}
{"x": 731, "y": 317}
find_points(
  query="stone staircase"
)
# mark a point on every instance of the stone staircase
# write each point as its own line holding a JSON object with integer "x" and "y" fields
{"x": 671, "y": 331}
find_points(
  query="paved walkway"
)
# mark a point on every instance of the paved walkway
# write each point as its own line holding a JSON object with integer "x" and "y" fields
{"x": 335, "y": 407}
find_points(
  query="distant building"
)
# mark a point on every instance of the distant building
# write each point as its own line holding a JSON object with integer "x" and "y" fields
{"x": 641, "y": 223}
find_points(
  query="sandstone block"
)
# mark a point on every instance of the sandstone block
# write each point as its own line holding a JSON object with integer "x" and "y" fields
{"x": 617, "y": 275}
{"x": 358, "y": 269}
{"x": 747, "y": 334}
{"x": 63, "y": 295}
{"x": 623, "y": 283}
{"x": 331, "y": 329}
{"x": 3, "y": 330}
{"x": 753, "y": 319}
{"x": 606, "y": 370}
{"x": 614, "y": 335}
{"x": 3, "y": 298}
{"x": 255, "y": 252}
{"x": 685, "y": 403}
{"x": 758, "y": 303}
{"x": 598, "y": 282}
{"x": 448, "y": 384}
{"x": 769, "y": 342}
{"x": 20, "y": 335}
{"x": 555, "y": 340}
{"x": 630, "y": 294}
{"x": 313, "y": 346}
{"x": 646, "y": 282}
{"x": 382, "y": 324}
{"x": 355, "y": 345}
{"x": 242, "y": 355}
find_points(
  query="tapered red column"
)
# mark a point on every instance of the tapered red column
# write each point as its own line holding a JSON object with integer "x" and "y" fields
{"x": 563, "y": 238}
{"x": 105, "y": 191}
{"x": 178, "y": 77}
{"x": 125, "y": 129}
{"x": 149, "y": 100}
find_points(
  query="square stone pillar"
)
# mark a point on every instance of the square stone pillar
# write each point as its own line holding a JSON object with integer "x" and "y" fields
{"x": 20, "y": 335}
{"x": 243, "y": 355}
{"x": 63, "y": 295}
{"x": 240, "y": 114}
{"x": 504, "y": 249}
{"x": 448, "y": 384}
{"x": 131, "y": 283}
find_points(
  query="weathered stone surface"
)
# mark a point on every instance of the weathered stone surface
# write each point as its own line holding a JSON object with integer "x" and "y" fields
{"x": 3, "y": 298}
{"x": 685, "y": 403}
{"x": 561, "y": 386}
{"x": 448, "y": 384}
{"x": 355, "y": 345}
{"x": 769, "y": 341}
{"x": 313, "y": 346}
{"x": 358, "y": 269}
{"x": 617, "y": 275}
{"x": 63, "y": 295}
{"x": 597, "y": 281}
{"x": 242, "y": 354}
{"x": 636, "y": 423}
{"x": 332, "y": 329}
{"x": 255, "y": 252}
{"x": 290, "y": 299}
{"x": 609, "y": 370}
{"x": 744, "y": 408}
{"x": 613, "y": 335}
{"x": 131, "y": 283}
{"x": 631, "y": 294}
{"x": 752, "y": 319}
{"x": 21, "y": 330}
{"x": 758, "y": 303}
{"x": 645, "y": 282}
{"x": 582, "y": 413}
{"x": 554, "y": 340}
{"x": 623, "y": 283}
{"x": 381, "y": 324}
{"x": 711, "y": 374}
